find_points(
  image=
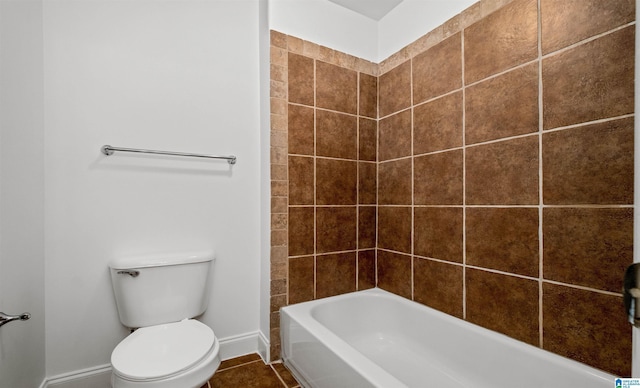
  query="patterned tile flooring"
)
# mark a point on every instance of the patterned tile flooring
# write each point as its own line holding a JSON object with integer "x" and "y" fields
{"x": 251, "y": 372}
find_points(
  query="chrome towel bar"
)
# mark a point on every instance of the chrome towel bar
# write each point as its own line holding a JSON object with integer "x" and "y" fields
{"x": 109, "y": 150}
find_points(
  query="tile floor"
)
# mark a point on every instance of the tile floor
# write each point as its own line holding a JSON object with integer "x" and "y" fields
{"x": 251, "y": 372}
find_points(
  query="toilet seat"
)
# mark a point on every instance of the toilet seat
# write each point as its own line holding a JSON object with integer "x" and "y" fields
{"x": 162, "y": 351}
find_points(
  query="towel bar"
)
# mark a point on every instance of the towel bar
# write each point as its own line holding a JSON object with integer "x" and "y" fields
{"x": 109, "y": 150}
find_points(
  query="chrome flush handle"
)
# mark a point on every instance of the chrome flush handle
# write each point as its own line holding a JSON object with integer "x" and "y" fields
{"x": 5, "y": 318}
{"x": 133, "y": 274}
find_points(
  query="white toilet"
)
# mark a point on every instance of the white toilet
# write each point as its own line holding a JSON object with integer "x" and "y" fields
{"x": 158, "y": 296}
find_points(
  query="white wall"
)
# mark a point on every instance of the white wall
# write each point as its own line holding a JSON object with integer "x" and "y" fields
{"x": 22, "y": 358}
{"x": 265, "y": 175}
{"x": 172, "y": 75}
{"x": 327, "y": 24}
{"x": 413, "y": 18}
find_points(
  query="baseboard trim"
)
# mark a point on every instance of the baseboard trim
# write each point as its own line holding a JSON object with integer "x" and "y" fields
{"x": 264, "y": 347}
{"x": 230, "y": 347}
{"x": 239, "y": 345}
{"x": 66, "y": 379}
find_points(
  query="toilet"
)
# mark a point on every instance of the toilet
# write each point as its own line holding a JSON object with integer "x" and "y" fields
{"x": 159, "y": 296}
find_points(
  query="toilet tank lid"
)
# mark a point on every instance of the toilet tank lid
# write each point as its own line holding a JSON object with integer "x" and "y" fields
{"x": 161, "y": 259}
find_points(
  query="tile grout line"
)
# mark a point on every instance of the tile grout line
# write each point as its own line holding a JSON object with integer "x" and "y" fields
{"x": 540, "y": 185}
{"x": 358, "y": 79}
{"x": 505, "y": 273}
{"x": 378, "y": 98}
{"x": 547, "y": 55}
{"x": 464, "y": 179}
{"x": 583, "y": 288}
{"x": 503, "y": 139}
{"x": 315, "y": 180}
{"x": 286, "y": 267}
{"x": 239, "y": 365}
{"x": 412, "y": 174}
{"x": 586, "y": 40}
{"x": 286, "y": 99}
{"x": 357, "y": 237}
{"x": 587, "y": 123}
{"x": 296, "y": 385}
{"x": 278, "y": 375}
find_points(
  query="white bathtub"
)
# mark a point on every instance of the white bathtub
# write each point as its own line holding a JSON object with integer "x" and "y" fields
{"x": 374, "y": 338}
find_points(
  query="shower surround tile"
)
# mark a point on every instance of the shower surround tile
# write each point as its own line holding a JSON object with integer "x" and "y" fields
{"x": 301, "y": 180}
{"x": 438, "y": 285}
{"x": 368, "y": 140}
{"x": 336, "y": 182}
{"x": 504, "y": 239}
{"x": 301, "y": 279}
{"x": 502, "y": 40}
{"x": 366, "y": 227}
{"x": 503, "y": 173}
{"x": 301, "y": 231}
{"x": 438, "y": 233}
{"x": 592, "y": 164}
{"x": 394, "y": 228}
{"x": 336, "y": 274}
{"x": 368, "y": 96}
{"x": 278, "y": 95}
{"x": 591, "y": 81}
{"x": 598, "y": 242}
{"x": 335, "y": 229}
{"x": 492, "y": 159}
{"x": 394, "y": 133}
{"x": 394, "y": 182}
{"x": 587, "y": 327}
{"x": 393, "y": 271}
{"x": 438, "y": 179}
{"x": 301, "y": 130}
{"x": 491, "y": 105}
{"x": 395, "y": 88}
{"x": 503, "y": 303}
{"x": 301, "y": 79}
{"x": 438, "y": 70}
{"x": 437, "y": 125}
{"x": 336, "y": 88}
{"x": 565, "y": 22}
{"x": 324, "y": 134}
{"x": 367, "y": 183}
{"x": 336, "y": 135}
{"x": 366, "y": 269}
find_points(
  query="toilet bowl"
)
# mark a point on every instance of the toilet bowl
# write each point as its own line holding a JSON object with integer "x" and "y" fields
{"x": 159, "y": 296}
{"x": 176, "y": 355}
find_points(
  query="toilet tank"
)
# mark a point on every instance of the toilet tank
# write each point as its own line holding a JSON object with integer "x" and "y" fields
{"x": 151, "y": 290}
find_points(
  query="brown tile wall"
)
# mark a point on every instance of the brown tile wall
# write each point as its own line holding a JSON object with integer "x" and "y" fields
{"x": 324, "y": 149}
{"x": 504, "y": 166}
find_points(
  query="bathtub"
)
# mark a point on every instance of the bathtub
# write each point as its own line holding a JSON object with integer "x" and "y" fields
{"x": 374, "y": 338}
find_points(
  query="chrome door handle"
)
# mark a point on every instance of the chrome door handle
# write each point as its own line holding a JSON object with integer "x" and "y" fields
{"x": 5, "y": 318}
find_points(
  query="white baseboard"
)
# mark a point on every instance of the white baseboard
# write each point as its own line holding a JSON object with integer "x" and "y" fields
{"x": 100, "y": 376}
{"x": 263, "y": 347}
{"x": 239, "y": 345}
{"x": 95, "y": 377}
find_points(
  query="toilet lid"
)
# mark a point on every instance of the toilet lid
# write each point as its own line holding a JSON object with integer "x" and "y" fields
{"x": 162, "y": 350}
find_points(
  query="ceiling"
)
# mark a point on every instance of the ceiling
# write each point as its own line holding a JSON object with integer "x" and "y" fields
{"x": 373, "y": 9}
